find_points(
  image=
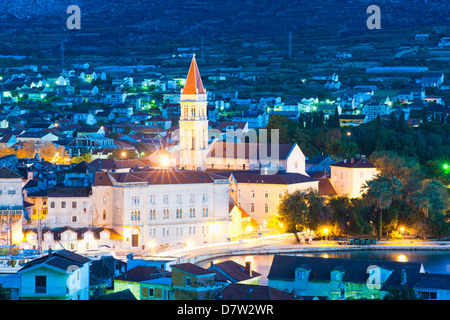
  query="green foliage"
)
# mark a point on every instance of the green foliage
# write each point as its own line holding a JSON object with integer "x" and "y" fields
{"x": 301, "y": 211}
{"x": 402, "y": 293}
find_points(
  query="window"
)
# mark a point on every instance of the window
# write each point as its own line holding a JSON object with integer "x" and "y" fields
{"x": 192, "y": 198}
{"x": 12, "y": 191}
{"x": 74, "y": 218}
{"x": 205, "y": 212}
{"x": 104, "y": 215}
{"x": 252, "y": 193}
{"x": 266, "y": 208}
{"x": 52, "y": 204}
{"x": 205, "y": 197}
{"x": 135, "y": 200}
{"x": 187, "y": 281}
{"x": 266, "y": 194}
{"x": 104, "y": 198}
{"x": 63, "y": 204}
{"x": 150, "y": 292}
{"x": 74, "y": 204}
{"x": 252, "y": 207}
{"x": 40, "y": 284}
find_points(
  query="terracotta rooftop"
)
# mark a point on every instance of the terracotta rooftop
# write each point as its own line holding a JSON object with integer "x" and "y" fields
{"x": 157, "y": 176}
{"x": 194, "y": 83}
{"x": 354, "y": 163}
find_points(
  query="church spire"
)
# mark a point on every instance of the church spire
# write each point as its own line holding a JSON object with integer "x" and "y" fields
{"x": 194, "y": 83}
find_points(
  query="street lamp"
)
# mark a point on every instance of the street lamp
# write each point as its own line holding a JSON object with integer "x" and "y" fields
{"x": 402, "y": 229}
{"x": 165, "y": 161}
{"x": 325, "y": 231}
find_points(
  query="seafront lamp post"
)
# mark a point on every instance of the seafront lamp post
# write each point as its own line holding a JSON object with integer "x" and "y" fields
{"x": 402, "y": 229}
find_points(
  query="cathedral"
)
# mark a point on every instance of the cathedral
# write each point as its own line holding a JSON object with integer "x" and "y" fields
{"x": 258, "y": 181}
{"x": 195, "y": 153}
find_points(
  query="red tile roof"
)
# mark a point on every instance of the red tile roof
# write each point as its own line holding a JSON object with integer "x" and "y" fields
{"x": 354, "y": 163}
{"x": 192, "y": 269}
{"x": 194, "y": 83}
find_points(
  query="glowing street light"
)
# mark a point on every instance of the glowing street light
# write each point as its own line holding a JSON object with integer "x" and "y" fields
{"x": 165, "y": 161}
{"x": 401, "y": 230}
{"x": 326, "y": 231}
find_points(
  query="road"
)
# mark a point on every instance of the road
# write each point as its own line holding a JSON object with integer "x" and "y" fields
{"x": 280, "y": 244}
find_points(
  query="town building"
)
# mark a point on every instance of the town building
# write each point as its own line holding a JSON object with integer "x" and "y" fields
{"x": 340, "y": 279}
{"x": 260, "y": 194}
{"x": 152, "y": 209}
{"x": 11, "y": 206}
{"x": 349, "y": 176}
{"x": 61, "y": 275}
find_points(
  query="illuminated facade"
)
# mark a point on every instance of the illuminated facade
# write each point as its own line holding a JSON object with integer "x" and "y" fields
{"x": 155, "y": 209}
{"x": 193, "y": 122}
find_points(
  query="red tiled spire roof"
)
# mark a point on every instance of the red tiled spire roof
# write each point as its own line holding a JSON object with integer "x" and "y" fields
{"x": 194, "y": 83}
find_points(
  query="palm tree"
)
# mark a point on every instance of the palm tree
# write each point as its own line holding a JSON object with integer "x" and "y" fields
{"x": 380, "y": 193}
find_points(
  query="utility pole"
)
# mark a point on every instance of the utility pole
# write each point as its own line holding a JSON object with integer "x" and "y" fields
{"x": 290, "y": 45}
{"x": 39, "y": 234}
{"x": 10, "y": 231}
{"x": 62, "y": 54}
{"x": 203, "y": 51}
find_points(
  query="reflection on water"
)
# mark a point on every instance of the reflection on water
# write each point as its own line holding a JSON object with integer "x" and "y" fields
{"x": 433, "y": 261}
{"x": 402, "y": 258}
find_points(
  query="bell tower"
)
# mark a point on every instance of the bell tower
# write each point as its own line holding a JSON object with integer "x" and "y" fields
{"x": 193, "y": 121}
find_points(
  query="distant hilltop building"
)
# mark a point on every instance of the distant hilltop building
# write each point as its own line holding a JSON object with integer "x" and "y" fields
{"x": 396, "y": 70}
{"x": 444, "y": 42}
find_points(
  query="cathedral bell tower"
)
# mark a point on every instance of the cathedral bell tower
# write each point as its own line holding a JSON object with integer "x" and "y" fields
{"x": 193, "y": 122}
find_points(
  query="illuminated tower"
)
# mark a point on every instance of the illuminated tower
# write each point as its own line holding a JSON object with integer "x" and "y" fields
{"x": 193, "y": 121}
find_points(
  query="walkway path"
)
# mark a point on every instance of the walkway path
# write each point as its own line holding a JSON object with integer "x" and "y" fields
{"x": 286, "y": 244}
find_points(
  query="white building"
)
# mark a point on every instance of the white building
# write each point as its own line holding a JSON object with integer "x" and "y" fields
{"x": 152, "y": 209}
{"x": 61, "y": 275}
{"x": 259, "y": 195}
{"x": 349, "y": 176}
{"x": 11, "y": 206}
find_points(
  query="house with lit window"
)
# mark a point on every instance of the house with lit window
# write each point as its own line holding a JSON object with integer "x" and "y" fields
{"x": 349, "y": 176}
{"x": 259, "y": 194}
{"x": 191, "y": 282}
{"x": 340, "y": 279}
{"x": 60, "y": 275}
{"x": 146, "y": 283}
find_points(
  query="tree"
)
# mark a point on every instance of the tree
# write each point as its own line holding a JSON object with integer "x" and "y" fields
{"x": 52, "y": 153}
{"x": 6, "y": 151}
{"x": 303, "y": 210}
{"x": 123, "y": 154}
{"x": 85, "y": 157}
{"x": 285, "y": 126}
{"x": 292, "y": 213}
{"x": 402, "y": 293}
{"x": 380, "y": 192}
{"x": 430, "y": 202}
{"x": 28, "y": 150}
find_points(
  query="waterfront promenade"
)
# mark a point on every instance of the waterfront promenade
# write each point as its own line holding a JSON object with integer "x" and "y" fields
{"x": 285, "y": 244}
